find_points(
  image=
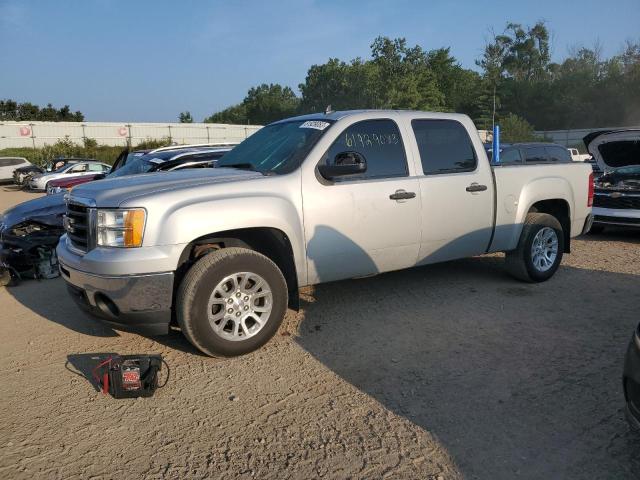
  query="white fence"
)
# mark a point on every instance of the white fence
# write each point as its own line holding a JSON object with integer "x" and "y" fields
{"x": 37, "y": 134}
{"x": 571, "y": 138}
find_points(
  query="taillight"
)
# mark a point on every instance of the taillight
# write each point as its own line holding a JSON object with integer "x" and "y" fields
{"x": 591, "y": 187}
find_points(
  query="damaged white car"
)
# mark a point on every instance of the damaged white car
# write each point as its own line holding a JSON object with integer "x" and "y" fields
{"x": 617, "y": 190}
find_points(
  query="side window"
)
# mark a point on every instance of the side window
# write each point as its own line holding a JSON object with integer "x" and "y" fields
{"x": 79, "y": 168}
{"x": 510, "y": 155}
{"x": 559, "y": 154}
{"x": 379, "y": 142}
{"x": 445, "y": 146}
{"x": 95, "y": 167}
{"x": 5, "y": 162}
{"x": 535, "y": 154}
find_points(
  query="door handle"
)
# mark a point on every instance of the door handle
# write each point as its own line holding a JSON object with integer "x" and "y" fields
{"x": 474, "y": 187}
{"x": 402, "y": 195}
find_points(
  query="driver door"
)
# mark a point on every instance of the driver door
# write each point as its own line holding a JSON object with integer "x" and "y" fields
{"x": 365, "y": 223}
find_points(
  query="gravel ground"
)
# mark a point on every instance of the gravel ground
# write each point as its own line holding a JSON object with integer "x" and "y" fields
{"x": 448, "y": 371}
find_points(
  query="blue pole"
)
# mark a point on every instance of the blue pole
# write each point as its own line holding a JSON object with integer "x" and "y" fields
{"x": 496, "y": 143}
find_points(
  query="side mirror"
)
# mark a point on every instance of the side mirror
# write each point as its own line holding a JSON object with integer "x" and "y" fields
{"x": 345, "y": 163}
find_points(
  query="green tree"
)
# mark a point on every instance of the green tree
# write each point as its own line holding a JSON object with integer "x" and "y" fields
{"x": 263, "y": 104}
{"x": 11, "y": 110}
{"x": 515, "y": 129}
{"x": 396, "y": 76}
{"x": 185, "y": 117}
{"x": 267, "y": 103}
{"x": 236, "y": 114}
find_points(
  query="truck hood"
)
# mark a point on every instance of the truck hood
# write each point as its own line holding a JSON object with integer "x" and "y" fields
{"x": 111, "y": 193}
{"x": 613, "y": 149}
{"x": 47, "y": 210}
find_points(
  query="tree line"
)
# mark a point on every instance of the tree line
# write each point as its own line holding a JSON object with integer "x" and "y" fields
{"x": 11, "y": 110}
{"x": 517, "y": 86}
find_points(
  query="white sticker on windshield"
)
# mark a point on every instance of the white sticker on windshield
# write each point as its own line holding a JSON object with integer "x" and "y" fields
{"x": 156, "y": 161}
{"x": 317, "y": 124}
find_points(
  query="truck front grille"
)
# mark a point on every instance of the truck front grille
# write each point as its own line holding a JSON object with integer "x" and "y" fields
{"x": 618, "y": 200}
{"x": 77, "y": 224}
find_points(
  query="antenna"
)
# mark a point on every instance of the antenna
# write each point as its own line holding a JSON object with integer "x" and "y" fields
{"x": 328, "y": 110}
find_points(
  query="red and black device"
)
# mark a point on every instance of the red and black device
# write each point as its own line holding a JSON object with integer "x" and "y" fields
{"x": 130, "y": 376}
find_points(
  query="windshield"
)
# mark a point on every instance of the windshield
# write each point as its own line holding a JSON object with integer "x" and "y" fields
{"x": 56, "y": 166}
{"x": 137, "y": 162}
{"x": 276, "y": 148}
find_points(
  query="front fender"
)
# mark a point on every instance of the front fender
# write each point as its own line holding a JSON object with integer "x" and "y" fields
{"x": 185, "y": 222}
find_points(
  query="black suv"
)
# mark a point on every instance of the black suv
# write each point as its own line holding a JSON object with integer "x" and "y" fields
{"x": 530, "y": 153}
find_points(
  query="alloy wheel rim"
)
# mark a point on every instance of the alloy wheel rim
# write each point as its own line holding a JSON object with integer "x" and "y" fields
{"x": 240, "y": 306}
{"x": 544, "y": 249}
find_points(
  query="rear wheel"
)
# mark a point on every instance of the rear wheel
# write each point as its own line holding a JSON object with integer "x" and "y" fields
{"x": 596, "y": 229}
{"x": 231, "y": 302}
{"x": 539, "y": 250}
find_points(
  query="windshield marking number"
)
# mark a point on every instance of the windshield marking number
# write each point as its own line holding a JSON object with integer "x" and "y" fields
{"x": 316, "y": 124}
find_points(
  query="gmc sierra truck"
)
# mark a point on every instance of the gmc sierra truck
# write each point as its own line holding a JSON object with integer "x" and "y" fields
{"x": 222, "y": 252}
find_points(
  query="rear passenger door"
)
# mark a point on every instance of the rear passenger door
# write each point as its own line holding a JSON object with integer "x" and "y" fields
{"x": 367, "y": 223}
{"x": 456, "y": 191}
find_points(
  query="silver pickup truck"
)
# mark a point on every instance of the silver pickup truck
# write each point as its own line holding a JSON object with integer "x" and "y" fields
{"x": 222, "y": 252}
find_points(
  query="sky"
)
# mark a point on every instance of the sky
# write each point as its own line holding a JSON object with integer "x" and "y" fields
{"x": 146, "y": 61}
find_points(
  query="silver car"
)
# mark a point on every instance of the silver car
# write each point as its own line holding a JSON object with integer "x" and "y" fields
{"x": 39, "y": 182}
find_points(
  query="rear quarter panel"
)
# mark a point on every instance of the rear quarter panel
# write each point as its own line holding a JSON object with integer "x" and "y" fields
{"x": 518, "y": 187}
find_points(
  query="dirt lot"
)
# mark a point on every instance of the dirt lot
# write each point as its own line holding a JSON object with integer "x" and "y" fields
{"x": 448, "y": 371}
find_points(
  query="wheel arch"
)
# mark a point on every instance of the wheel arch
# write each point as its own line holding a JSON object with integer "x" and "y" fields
{"x": 270, "y": 242}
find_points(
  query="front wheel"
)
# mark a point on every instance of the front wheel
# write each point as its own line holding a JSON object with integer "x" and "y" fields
{"x": 539, "y": 250}
{"x": 231, "y": 302}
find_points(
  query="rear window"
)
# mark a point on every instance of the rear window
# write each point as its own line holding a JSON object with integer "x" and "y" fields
{"x": 558, "y": 154}
{"x": 444, "y": 146}
{"x": 510, "y": 155}
{"x": 535, "y": 154}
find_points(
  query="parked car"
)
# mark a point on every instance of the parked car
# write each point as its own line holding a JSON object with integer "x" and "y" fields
{"x": 22, "y": 175}
{"x": 147, "y": 161}
{"x": 303, "y": 201}
{"x": 616, "y": 200}
{"x": 29, "y": 232}
{"x": 518, "y": 153}
{"x": 631, "y": 380}
{"x": 39, "y": 182}
{"x": 9, "y": 164}
{"x": 576, "y": 156}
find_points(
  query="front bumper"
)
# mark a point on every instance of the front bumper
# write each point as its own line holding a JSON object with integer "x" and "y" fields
{"x": 631, "y": 380}
{"x": 137, "y": 303}
{"x": 622, "y": 217}
{"x": 108, "y": 283}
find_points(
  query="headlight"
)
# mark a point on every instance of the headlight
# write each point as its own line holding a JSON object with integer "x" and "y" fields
{"x": 120, "y": 228}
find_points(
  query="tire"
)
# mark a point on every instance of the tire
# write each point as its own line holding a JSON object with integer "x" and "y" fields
{"x": 596, "y": 229}
{"x": 211, "y": 314}
{"x": 523, "y": 263}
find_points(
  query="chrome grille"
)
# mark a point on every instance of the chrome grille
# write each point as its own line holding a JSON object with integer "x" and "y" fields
{"x": 78, "y": 223}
